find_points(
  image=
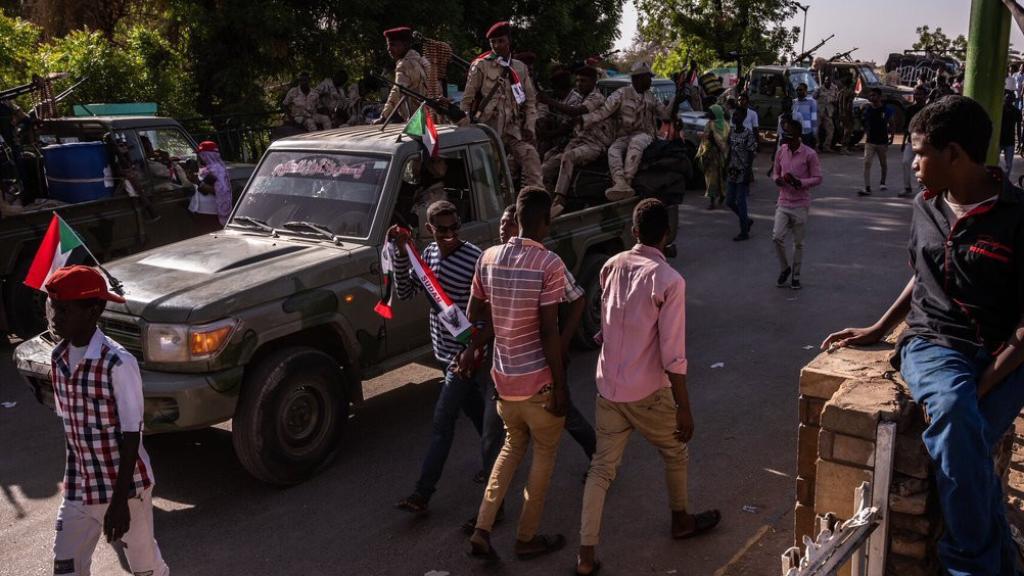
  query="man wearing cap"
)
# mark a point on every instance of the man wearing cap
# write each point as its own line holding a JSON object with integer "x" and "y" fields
{"x": 637, "y": 111}
{"x": 301, "y": 104}
{"x": 97, "y": 392}
{"x": 500, "y": 93}
{"x": 411, "y": 70}
{"x": 587, "y": 144}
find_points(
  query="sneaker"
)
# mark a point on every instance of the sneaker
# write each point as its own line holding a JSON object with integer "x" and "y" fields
{"x": 883, "y": 187}
{"x": 783, "y": 276}
{"x": 795, "y": 284}
{"x": 619, "y": 192}
{"x": 907, "y": 193}
{"x": 864, "y": 191}
{"x": 741, "y": 237}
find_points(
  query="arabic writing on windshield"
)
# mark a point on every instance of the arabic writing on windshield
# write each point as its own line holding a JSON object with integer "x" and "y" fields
{"x": 339, "y": 192}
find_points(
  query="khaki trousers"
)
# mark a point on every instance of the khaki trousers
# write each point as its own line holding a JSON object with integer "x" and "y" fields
{"x": 786, "y": 220}
{"x": 525, "y": 421}
{"x": 655, "y": 418}
{"x": 624, "y": 156}
{"x": 829, "y": 129}
{"x": 870, "y": 151}
{"x": 526, "y": 156}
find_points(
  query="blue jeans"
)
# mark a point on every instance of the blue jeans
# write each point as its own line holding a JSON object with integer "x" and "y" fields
{"x": 960, "y": 437}
{"x": 456, "y": 394}
{"x": 736, "y": 199}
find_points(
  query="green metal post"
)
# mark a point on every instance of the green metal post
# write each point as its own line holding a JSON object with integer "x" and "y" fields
{"x": 985, "y": 70}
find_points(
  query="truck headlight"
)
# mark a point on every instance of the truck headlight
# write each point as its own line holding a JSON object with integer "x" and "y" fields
{"x": 178, "y": 343}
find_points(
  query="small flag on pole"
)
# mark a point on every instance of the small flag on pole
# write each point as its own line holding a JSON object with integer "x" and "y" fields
{"x": 421, "y": 127}
{"x": 58, "y": 245}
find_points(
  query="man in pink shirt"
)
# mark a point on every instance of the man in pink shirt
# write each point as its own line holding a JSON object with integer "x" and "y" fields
{"x": 641, "y": 376}
{"x": 796, "y": 171}
{"x": 523, "y": 282}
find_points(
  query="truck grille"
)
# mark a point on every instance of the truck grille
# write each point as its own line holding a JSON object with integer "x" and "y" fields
{"x": 124, "y": 333}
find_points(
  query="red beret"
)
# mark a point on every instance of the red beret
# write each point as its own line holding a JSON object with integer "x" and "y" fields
{"x": 79, "y": 283}
{"x": 499, "y": 29}
{"x": 587, "y": 72}
{"x": 402, "y": 33}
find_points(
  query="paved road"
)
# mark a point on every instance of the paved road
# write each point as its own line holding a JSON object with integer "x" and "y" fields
{"x": 211, "y": 518}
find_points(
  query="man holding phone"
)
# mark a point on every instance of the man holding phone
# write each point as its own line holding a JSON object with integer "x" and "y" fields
{"x": 796, "y": 171}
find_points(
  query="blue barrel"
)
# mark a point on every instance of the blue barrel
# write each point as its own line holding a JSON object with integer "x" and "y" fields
{"x": 78, "y": 172}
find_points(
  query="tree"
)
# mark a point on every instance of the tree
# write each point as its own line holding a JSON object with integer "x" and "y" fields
{"x": 937, "y": 42}
{"x": 710, "y": 30}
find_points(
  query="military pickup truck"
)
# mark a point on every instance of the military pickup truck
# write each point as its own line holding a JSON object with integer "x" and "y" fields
{"x": 271, "y": 321}
{"x": 122, "y": 224}
{"x": 862, "y": 78}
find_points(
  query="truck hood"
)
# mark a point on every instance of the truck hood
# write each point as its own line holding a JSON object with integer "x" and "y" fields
{"x": 209, "y": 277}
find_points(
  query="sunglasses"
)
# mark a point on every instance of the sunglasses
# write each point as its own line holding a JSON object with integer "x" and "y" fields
{"x": 444, "y": 229}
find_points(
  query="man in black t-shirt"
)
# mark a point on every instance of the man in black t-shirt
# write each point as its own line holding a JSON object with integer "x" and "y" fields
{"x": 876, "y": 120}
{"x": 962, "y": 354}
{"x": 1008, "y": 131}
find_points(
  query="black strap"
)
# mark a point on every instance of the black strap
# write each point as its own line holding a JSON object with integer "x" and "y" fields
{"x": 490, "y": 95}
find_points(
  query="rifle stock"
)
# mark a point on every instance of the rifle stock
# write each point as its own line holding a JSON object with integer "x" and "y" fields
{"x": 450, "y": 110}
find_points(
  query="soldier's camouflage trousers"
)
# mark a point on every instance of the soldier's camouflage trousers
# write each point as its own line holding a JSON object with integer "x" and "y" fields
{"x": 575, "y": 154}
{"x": 526, "y": 156}
{"x": 624, "y": 157}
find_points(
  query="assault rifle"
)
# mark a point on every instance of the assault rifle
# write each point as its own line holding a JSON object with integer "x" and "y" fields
{"x": 843, "y": 55}
{"x": 806, "y": 55}
{"x": 34, "y": 85}
{"x": 447, "y": 108}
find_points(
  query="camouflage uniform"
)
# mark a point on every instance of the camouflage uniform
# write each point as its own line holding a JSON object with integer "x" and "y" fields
{"x": 302, "y": 107}
{"x": 844, "y": 105}
{"x": 826, "y": 106}
{"x": 411, "y": 72}
{"x": 638, "y": 116}
{"x": 587, "y": 144}
{"x": 549, "y": 167}
{"x": 502, "y": 113}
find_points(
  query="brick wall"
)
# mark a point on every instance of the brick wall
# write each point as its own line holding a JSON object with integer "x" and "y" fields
{"x": 843, "y": 397}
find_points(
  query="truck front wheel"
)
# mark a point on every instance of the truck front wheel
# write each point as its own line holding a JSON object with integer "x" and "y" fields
{"x": 290, "y": 416}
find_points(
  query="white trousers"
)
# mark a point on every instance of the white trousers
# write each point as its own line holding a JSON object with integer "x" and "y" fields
{"x": 79, "y": 527}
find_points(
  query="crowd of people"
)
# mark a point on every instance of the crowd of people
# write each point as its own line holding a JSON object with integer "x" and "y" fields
{"x": 961, "y": 355}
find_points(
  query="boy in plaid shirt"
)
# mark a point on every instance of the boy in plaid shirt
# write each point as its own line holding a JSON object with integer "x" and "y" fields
{"x": 97, "y": 388}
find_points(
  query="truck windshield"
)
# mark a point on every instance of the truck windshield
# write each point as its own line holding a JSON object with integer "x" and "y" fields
{"x": 798, "y": 77}
{"x": 339, "y": 192}
{"x": 869, "y": 75}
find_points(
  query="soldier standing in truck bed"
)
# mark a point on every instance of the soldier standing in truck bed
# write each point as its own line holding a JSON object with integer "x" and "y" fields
{"x": 411, "y": 71}
{"x": 500, "y": 93}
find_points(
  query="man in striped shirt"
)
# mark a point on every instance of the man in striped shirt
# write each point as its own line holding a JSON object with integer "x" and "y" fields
{"x": 523, "y": 283}
{"x": 452, "y": 262}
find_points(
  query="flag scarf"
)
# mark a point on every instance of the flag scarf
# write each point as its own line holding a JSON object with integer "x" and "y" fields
{"x": 57, "y": 247}
{"x": 387, "y": 298}
{"x": 421, "y": 127}
{"x": 451, "y": 316}
{"x": 517, "y": 84}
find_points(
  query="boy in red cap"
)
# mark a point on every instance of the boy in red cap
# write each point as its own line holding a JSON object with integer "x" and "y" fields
{"x": 97, "y": 390}
{"x": 500, "y": 93}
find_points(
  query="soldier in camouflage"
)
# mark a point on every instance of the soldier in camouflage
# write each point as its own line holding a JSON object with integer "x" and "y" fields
{"x": 638, "y": 112}
{"x": 411, "y": 70}
{"x": 587, "y": 144}
{"x": 500, "y": 93}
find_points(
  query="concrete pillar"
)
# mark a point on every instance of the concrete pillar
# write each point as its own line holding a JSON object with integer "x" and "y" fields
{"x": 985, "y": 70}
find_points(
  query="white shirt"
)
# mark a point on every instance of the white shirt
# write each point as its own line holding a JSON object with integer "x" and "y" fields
{"x": 961, "y": 210}
{"x": 1010, "y": 83}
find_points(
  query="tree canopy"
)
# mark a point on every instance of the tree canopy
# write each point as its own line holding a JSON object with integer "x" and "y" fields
{"x": 936, "y": 41}
{"x": 236, "y": 56}
{"x": 709, "y": 30}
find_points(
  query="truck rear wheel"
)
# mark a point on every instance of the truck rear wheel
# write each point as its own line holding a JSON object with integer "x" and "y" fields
{"x": 590, "y": 281}
{"x": 290, "y": 416}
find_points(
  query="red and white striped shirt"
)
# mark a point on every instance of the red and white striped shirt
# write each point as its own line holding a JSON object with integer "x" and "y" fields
{"x": 517, "y": 279}
{"x": 98, "y": 399}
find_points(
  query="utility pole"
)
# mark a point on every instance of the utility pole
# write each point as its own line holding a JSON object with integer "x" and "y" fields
{"x": 803, "y": 31}
{"x": 985, "y": 69}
